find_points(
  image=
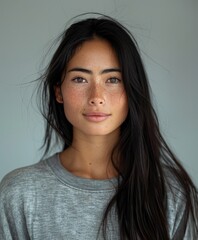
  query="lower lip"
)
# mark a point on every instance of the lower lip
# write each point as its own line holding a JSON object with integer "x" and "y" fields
{"x": 95, "y": 118}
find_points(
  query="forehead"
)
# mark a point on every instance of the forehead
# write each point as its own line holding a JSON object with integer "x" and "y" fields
{"x": 93, "y": 53}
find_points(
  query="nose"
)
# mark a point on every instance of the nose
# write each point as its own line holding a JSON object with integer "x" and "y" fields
{"x": 96, "y": 101}
{"x": 96, "y": 96}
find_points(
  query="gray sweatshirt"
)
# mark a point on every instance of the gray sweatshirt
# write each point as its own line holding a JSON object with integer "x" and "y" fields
{"x": 45, "y": 201}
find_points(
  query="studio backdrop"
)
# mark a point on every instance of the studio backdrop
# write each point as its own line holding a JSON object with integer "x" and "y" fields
{"x": 167, "y": 34}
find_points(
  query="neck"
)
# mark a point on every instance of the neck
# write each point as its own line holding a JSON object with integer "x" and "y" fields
{"x": 90, "y": 156}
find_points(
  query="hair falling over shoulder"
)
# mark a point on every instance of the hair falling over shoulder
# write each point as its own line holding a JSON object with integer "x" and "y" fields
{"x": 148, "y": 170}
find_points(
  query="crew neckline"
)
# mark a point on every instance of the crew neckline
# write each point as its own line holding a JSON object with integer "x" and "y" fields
{"x": 79, "y": 182}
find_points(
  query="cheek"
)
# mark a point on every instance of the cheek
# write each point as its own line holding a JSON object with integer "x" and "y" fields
{"x": 72, "y": 101}
{"x": 123, "y": 109}
{"x": 120, "y": 101}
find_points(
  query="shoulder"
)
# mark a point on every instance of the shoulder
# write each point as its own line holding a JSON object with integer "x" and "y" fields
{"x": 176, "y": 196}
{"x": 25, "y": 180}
{"x": 174, "y": 187}
{"x": 176, "y": 193}
{"x": 178, "y": 200}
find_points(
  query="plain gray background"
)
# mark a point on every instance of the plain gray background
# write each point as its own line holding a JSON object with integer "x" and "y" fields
{"x": 167, "y": 33}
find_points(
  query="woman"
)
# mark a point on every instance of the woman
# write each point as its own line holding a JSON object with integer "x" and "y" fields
{"x": 115, "y": 178}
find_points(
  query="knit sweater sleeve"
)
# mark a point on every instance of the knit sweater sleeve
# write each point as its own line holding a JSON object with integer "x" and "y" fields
{"x": 177, "y": 213}
{"x": 14, "y": 207}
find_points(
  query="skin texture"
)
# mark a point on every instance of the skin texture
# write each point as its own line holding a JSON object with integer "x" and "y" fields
{"x": 95, "y": 103}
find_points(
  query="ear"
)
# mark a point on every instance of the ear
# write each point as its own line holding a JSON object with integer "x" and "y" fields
{"x": 58, "y": 94}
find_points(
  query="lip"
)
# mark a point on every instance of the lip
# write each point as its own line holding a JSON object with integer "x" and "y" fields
{"x": 96, "y": 116}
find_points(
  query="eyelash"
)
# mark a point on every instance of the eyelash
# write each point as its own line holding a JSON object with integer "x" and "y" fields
{"x": 82, "y": 80}
{"x": 114, "y": 78}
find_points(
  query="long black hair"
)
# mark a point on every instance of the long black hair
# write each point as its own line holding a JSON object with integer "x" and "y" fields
{"x": 147, "y": 167}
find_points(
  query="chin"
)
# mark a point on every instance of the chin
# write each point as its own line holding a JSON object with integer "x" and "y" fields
{"x": 100, "y": 132}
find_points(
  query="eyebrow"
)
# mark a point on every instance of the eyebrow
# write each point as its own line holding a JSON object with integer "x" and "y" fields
{"x": 84, "y": 70}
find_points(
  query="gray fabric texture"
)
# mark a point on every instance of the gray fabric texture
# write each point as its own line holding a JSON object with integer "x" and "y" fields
{"x": 45, "y": 201}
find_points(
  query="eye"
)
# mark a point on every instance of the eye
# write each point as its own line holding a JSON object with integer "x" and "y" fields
{"x": 113, "y": 80}
{"x": 79, "y": 80}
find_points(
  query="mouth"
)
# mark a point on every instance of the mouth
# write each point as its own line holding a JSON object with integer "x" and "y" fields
{"x": 96, "y": 116}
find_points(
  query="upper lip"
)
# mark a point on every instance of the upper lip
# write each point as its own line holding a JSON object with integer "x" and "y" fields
{"x": 99, "y": 114}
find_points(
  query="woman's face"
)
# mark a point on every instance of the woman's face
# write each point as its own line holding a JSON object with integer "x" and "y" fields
{"x": 92, "y": 91}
